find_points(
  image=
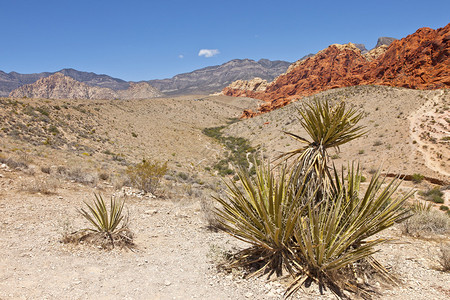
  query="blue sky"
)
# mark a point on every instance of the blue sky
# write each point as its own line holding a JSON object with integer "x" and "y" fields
{"x": 143, "y": 40}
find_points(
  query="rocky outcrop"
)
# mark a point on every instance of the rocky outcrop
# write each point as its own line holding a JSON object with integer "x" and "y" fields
{"x": 419, "y": 61}
{"x": 255, "y": 85}
{"x": 375, "y": 52}
{"x": 212, "y": 79}
{"x": 59, "y": 86}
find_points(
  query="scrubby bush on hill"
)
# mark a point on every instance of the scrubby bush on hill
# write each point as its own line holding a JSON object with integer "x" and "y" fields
{"x": 147, "y": 175}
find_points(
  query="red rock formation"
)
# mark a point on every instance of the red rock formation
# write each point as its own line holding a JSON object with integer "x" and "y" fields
{"x": 419, "y": 61}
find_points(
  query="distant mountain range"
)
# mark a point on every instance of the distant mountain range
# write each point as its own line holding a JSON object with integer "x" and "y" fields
{"x": 212, "y": 79}
{"x": 202, "y": 81}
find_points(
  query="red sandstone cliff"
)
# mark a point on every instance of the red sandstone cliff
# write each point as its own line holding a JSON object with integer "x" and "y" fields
{"x": 419, "y": 61}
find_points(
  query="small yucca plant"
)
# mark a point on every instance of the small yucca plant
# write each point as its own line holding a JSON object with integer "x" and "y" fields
{"x": 110, "y": 227}
{"x": 99, "y": 216}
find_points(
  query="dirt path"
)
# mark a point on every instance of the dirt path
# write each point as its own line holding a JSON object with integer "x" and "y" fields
{"x": 428, "y": 127}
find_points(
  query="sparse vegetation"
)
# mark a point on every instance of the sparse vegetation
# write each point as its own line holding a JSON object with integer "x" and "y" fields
{"x": 434, "y": 195}
{"x": 417, "y": 178}
{"x": 426, "y": 222}
{"x": 444, "y": 257}
{"x": 238, "y": 153}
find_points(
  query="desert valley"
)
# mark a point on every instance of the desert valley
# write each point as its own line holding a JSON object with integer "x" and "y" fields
{"x": 69, "y": 135}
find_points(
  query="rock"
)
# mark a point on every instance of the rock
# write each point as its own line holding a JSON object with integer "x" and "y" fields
{"x": 255, "y": 85}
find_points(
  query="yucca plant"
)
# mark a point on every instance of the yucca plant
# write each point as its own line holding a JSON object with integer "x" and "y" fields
{"x": 263, "y": 211}
{"x": 99, "y": 216}
{"x": 334, "y": 233}
{"x": 328, "y": 127}
{"x": 105, "y": 224}
{"x": 313, "y": 220}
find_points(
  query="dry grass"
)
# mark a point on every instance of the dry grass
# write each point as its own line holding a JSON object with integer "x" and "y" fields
{"x": 44, "y": 186}
{"x": 102, "y": 240}
{"x": 426, "y": 223}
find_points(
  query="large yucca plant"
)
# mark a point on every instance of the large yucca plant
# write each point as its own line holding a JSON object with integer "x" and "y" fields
{"x": 263, "y": 211}
{"x": 334, "y": 233}
{"x": 312, "y": 219}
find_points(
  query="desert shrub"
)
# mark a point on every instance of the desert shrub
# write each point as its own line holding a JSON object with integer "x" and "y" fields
{"x": 417, "y": 178}
{"x": 77, "y": 175}
{"x": 43, "y": 186}
{"x": 19, "y": 163}
{"x": 209, "y": 215}
{"x": 147, "y": 175}
{"x": 444, "y": 208}
{"x": 105, "y": 230}
{"x": 434, "y": 195}
{"x": 45, "y": 169}
{"x": 103, "y": 176}
{"x": 426, "y": 223}
{"x": 444, "y": 257}
{"x": 183, "y": 175}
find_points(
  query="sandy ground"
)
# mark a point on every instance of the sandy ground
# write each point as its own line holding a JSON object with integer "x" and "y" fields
{"x": 176, "y": 254}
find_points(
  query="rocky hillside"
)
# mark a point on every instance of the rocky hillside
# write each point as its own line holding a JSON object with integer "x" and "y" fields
{"x": 241, "y": 87}
{"x": 212, "y": 79}
{"x": 418, "y": 61}
{"x": 13, "y": 80}
{"x": 59, "y": 86}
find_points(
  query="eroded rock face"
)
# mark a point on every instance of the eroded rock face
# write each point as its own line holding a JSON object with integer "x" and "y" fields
{"x": 419, "y": 61}
{"x": 59, "y": 86}
{"x": 255, "y": 85}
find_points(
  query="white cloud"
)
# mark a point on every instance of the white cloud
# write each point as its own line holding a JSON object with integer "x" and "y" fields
{"x": 181, "y": 56}
{"x": 208, "y": 52}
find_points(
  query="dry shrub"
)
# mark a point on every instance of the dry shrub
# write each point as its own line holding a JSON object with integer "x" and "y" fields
{"x": 103, "y": 240}
{"x": 14, "y": 163}
{"x": 426, "y": 223}
{"x": 43, "y": 186}
{"x": 78, "y": 175}
{"x": 45, "y": 169}
{"x": 444, "y": 258}
{"x": 147, "y": 175}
